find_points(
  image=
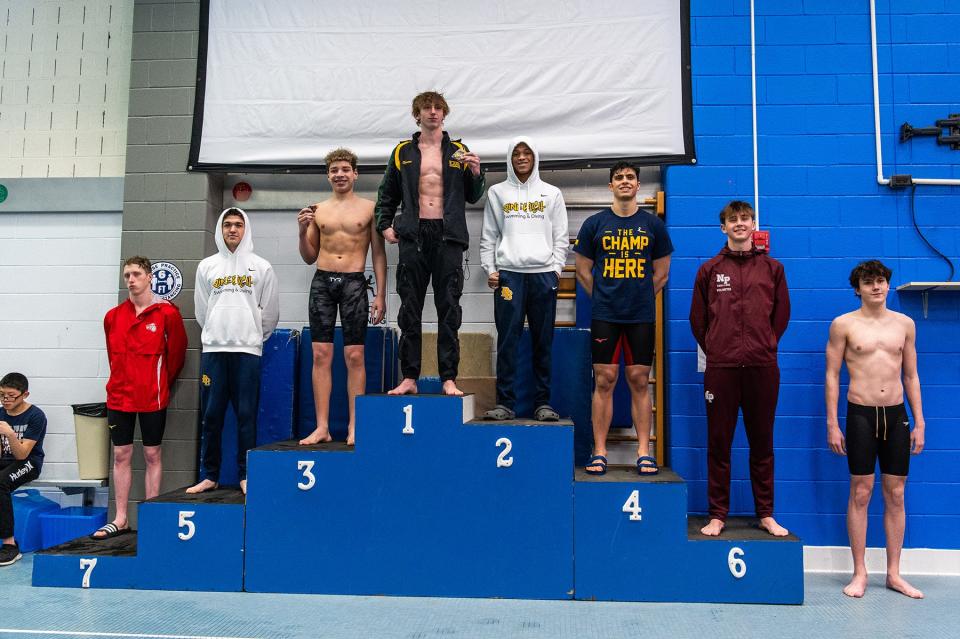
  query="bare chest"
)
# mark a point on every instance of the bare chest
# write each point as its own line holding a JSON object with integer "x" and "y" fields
{"x": 431, "y": 166}
{"x": 876, "y": 341}
{"x": 342, "y": 222}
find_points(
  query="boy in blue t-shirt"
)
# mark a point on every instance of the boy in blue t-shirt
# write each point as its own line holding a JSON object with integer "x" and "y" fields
{"x": 22, "y": 427}
{"x": 623, "y": 259}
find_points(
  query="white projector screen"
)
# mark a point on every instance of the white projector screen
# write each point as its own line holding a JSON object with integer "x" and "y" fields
{"x": 282, "y": 82}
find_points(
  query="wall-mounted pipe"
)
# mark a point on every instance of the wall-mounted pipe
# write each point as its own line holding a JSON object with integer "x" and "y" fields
{"x": 876, "y": 110}
{"x": 753, "y": 83}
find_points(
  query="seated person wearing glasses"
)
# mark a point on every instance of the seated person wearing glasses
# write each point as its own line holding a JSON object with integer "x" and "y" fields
{"x": 22, "y": 427}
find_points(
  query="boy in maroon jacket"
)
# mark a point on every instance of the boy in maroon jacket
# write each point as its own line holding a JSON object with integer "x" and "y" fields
{"x": 739, "y": 312}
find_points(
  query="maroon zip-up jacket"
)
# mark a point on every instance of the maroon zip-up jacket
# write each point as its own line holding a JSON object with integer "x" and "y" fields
{"x": 740, "y": 308}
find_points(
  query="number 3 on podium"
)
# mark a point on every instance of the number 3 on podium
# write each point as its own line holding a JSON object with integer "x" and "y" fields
{"x": 308, "y": 480}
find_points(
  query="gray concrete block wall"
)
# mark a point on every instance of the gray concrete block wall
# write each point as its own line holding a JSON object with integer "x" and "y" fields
{"x": 168, "y": 213}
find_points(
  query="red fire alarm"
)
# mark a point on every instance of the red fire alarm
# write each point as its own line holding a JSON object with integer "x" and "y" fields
{"x": 761, "y": 241}
{"x": 242, "y": 191}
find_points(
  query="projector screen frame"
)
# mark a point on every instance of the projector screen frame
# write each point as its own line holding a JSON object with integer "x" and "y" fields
{"x": 687, "y": 157}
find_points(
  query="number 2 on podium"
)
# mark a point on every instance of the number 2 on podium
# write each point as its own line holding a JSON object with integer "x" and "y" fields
{"x": 502, "y": 460}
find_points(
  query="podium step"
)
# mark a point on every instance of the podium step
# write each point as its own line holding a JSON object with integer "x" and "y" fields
{"x": 186, "y": 542}
{"x": 745, "y": 528}
{"x": 192, "y": 542}
{"x": 635, "y": 543}
{"x": 88, "y": 563}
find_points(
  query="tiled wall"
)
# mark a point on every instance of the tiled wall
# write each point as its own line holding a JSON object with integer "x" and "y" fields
{"x": 820, "y": 200}
{"x": 64, "y": 77}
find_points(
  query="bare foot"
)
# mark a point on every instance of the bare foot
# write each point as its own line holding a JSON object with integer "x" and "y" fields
{"x": 407, "y": 387}
{"x": 115, "y": 522}
{"x": 351, "y": 439}
{"x": 771, "y": 526}
{"x": 898, "y": 583}
{"x": 202, "y": 487}
{"x": 318, "y": 436}
{"x": 713, "y": 528}
{"x": 243, "y": 486}
{"x": 856, "y": 587}
{"x": 450, "y": 388}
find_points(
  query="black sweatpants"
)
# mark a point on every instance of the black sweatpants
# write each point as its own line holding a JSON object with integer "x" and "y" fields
{"x": 13, "y": 476}
{"x": 420, "y": 261}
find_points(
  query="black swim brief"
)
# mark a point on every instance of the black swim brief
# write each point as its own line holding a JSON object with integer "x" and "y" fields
{"x": 878, "y": 432}
{"x": 346, "y": 291}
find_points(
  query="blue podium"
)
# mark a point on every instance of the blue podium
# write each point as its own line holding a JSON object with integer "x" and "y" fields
{"x": 432, "y": 502}
{"x": 428, "y": 502}
{"x": 187, "y": 542}
{"x": 634, "y": 542}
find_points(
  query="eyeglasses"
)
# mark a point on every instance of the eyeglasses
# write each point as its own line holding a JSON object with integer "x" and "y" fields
{"x": 9, "y": 398}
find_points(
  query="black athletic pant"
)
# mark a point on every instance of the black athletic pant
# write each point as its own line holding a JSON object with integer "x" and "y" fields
{"x": 420, "y": 261}
{"x": 12, "y": 476}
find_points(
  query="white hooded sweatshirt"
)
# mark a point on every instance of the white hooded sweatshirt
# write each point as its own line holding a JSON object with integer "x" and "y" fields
{"x": 237, "y": 297}
{"x": 524, "y": 223}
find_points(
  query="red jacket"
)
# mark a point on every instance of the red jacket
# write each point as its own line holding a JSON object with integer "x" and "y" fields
{"x": 146, "y": 354}
{"x": 740, "y": 308}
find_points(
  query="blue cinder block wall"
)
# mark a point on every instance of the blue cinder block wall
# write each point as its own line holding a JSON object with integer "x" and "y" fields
{"x": 820, "y": 200}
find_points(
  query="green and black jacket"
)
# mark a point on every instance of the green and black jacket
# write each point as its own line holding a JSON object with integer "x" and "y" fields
{"x": 399, "y": 188}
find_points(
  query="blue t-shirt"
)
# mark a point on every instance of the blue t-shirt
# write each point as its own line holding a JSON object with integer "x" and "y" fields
{"x": 623, "y": 250}
{"x": 30, "y": 424}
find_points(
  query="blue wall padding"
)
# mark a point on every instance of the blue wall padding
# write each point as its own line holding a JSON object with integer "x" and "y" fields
{"x": 380, "y": 365}
{"x": 275, "y": 419}
{"x": 571, "y": 383}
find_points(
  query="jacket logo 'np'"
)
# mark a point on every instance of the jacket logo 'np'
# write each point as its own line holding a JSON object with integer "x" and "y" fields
{"x": 708, "y": 396}
{"x": 723, "y": 283}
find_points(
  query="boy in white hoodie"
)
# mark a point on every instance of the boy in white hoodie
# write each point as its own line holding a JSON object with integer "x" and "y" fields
{"x": 237, "y": 301}
{"x": 523, "y": 249}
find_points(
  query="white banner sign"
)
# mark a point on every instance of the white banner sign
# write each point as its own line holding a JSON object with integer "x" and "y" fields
{"x": 288, "y": 80}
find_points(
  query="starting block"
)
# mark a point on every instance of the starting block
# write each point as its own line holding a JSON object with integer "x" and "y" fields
{"x": 188, "y": 542}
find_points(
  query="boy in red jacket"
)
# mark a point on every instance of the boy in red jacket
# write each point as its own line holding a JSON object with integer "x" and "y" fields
{"x": 146, "y": 345}
{"x": 739, "y": 312}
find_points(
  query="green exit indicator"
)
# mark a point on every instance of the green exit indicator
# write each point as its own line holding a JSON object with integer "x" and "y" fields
{"x": 3, "y": 193}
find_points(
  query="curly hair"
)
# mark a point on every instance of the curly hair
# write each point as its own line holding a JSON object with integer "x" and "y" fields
{"x": 869, "y": 270}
